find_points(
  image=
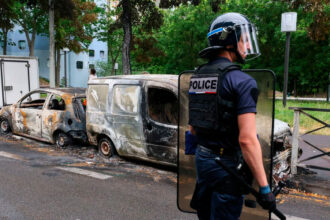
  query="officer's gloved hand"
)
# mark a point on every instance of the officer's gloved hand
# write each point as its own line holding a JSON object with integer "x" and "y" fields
{"x": 267, "y": 199}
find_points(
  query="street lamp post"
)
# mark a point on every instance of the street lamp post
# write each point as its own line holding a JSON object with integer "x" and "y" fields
{"x": 65, "y": 68}
{"x": 288, "y": 25}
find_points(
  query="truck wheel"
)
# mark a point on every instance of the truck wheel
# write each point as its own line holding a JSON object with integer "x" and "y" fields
{"x": 106, "y": 148}
{"x": 4, "y": 126}
{"x": 62, "y": 139}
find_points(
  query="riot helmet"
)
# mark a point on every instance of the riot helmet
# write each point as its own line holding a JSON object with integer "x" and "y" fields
{"x": 232, "y": 29}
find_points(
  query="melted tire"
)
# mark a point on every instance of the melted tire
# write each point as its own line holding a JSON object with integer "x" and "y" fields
{"x": 106, "y": 148}
{"x": 4, "y": 126}
{"x": 63, "y": 140}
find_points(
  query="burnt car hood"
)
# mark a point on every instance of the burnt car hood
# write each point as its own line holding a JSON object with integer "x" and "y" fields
{"x": 281, "y": 128}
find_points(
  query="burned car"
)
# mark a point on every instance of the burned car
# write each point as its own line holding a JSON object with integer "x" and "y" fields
{"x": 282, "y": 150}
{"x": 134, "y": 116}
{"x": 50, "y": 115}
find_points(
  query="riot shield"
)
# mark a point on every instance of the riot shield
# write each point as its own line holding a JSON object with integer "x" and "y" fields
{"x": 264, "y": 121}
{"x": 186, "y": 163}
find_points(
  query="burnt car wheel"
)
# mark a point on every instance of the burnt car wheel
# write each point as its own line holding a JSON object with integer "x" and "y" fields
{"x": 106, "y": 148}
{"x": 4, "y": 125}
{"x": 62, "y": 139}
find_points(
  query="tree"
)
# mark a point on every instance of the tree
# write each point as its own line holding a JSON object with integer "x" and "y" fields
{"x": 183, "y": 35}
{"x": 136, "y": 12}
{"x": 74, "y": 21}
{"x": 74, "y": 28}
{"x": 106, "y": 31}
{"x": 6, "y": 23}
{"x": 143, "y": 13}
{"x": 32, "y": 19}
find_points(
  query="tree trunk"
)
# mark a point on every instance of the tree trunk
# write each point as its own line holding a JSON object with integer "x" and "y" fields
{"x": 113, "y": 55}
{"x": 58, "y": 68}
{"x": 5, "y": 39}
{"x": 51, "y": 45}
{"x": 31, "y": 48}
{"x": 30, "y": 42}
{"x": 33, "y": 38}
{"x": 127, "y": 27}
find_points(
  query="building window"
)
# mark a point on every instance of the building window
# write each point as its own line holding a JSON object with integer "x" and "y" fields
{"x": 91, "y": 66}
{"x": 102, "y": 53}
{"x": 1, "y": 43}
{"x": 21, "y": 44}
{"x": 80, "y": 64}
{"x": 91, "y": 53}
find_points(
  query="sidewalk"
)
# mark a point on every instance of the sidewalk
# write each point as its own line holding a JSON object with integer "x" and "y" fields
{"x": 309, "y": 179}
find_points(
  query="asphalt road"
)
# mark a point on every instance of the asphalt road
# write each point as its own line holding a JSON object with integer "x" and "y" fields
{"x": 39, "y": 181}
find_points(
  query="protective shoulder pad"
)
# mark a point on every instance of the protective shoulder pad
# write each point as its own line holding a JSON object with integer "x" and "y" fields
{"x": 228, "y": 66}
{"x": 222, "y": 68}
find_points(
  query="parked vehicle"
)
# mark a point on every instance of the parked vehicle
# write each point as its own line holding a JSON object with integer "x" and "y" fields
{"x": 134, "y": 116}
{"x": 19, "y": 75}
{"x": 282, "y": 148}
{"x": 50, "y": 115}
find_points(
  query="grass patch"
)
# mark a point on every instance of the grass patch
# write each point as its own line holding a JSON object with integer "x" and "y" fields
{"x": 306, "y": 123}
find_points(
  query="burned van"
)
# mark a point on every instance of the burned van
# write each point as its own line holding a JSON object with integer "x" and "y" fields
{"x": 134, "y": 116}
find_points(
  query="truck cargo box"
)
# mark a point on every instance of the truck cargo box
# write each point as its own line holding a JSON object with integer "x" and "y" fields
{"x": 18, "y": 76}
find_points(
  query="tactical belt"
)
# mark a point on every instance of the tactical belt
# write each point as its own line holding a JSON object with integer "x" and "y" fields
{"x": 218, "y": 151}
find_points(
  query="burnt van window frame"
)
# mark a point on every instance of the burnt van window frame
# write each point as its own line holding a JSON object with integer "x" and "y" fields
{"x": 162, "y": 118}
{"x": 112, "y": 101}
{"x": 28, "y": 101}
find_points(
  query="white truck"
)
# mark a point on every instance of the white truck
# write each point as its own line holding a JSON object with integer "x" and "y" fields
{"x": 18, "y": 76}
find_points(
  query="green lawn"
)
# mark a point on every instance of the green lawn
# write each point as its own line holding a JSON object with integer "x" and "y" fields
{"x": 306, "y": 123}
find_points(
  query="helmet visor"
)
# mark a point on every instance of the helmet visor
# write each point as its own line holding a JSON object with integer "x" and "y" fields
{"x": 247, "y": 44}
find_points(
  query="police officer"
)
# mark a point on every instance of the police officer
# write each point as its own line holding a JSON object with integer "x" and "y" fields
{"x": 223, "y": 119}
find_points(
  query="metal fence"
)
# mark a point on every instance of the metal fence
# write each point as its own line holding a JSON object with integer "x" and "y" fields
{"x": 296, "y": 137}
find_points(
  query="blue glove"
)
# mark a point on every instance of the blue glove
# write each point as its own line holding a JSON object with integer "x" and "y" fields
{"x": 266, "y": 199}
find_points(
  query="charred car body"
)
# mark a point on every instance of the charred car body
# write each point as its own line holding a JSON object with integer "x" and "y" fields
{"x": 282, "y": 149}
{"x": 134, "y": 116}
{"x": 50, "y": 115}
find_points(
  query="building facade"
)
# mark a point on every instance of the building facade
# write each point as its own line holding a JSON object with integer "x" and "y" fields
{"x": 78, "y": 65}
